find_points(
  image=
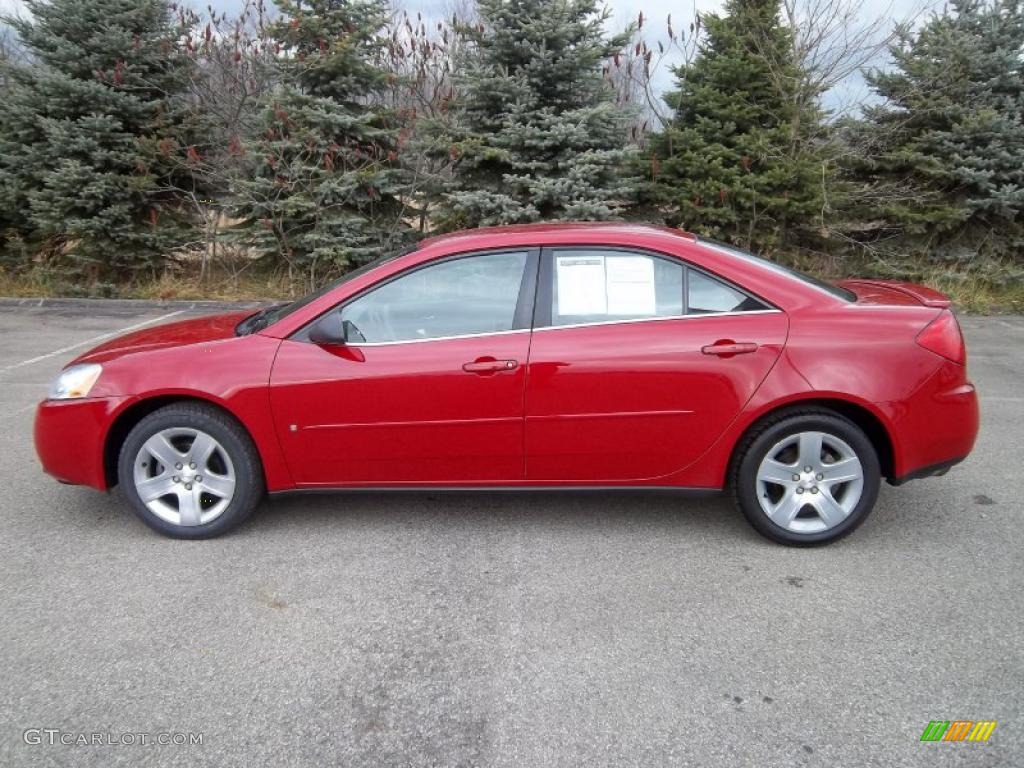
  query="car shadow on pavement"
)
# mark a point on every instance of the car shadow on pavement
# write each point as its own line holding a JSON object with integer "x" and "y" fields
{"x": 693, "y": 518}
{"x": 711, "y": 516}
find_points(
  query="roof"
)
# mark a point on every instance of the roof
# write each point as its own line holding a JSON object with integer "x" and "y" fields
{"x": 559, "y": 229}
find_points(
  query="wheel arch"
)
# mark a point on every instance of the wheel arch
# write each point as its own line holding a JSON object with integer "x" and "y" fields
{"x": 867, "y": 420}
{"x": 126, "y": 420}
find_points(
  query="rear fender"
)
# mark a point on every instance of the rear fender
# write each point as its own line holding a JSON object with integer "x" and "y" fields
{"x": 784, "y": 386}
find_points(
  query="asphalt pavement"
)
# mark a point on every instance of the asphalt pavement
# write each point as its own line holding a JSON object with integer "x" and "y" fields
{"x": 515, "y": 630}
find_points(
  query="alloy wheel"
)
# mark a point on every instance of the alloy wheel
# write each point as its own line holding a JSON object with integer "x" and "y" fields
{"x": 184, "y": 476}
{"x": 809, "y": 482}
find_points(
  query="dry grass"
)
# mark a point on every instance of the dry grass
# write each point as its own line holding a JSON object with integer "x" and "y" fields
{"x": 169, "y": 286}
{"x": 218, "y": 288}
{"x": 26, "y": 285}
{"x": 970, "y": 292}
{"x": 978, "y": 296}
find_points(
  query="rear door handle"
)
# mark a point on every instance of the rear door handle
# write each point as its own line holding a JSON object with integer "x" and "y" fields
{"x": 488, "y": 365}
{"x": 728, "y": 348}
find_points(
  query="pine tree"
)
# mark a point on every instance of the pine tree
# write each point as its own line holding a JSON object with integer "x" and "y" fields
{"x": 11, "y": 220}
{"x": 741, "y": 158}
{"x": 6, "y": 44}
{"x": 325, "y": 190}
{"x": 945, "y": 150}
{"x": 537, "y": 133}
{"x": 79, "y": 158}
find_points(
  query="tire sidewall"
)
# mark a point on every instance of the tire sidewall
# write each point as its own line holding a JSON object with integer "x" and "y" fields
{"x": 746, "y": 478}
{"x": 248, "y": 483}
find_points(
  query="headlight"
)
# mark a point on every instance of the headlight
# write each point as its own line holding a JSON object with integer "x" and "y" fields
{"x": 75, "y": 381}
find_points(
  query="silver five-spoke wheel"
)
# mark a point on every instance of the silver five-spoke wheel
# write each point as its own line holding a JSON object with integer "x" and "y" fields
{"x": 184, "y": 476}
{"x": 809, "y": 482}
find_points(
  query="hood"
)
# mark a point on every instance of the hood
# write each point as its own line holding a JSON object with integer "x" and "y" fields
{"x": 896, "y": 292}
{"x": 178, "y": 334}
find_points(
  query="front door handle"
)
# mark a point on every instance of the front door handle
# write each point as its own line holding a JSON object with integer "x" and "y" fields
{"x": 728, "y": 348}
{"x": 488, "y": 365}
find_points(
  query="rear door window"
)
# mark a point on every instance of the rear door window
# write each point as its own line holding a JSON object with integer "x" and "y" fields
{"x": 602, "y": 285}
{"x": 607, "y": 285}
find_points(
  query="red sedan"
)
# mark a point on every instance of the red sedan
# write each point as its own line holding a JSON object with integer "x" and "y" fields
{"x": 550, "y": 356}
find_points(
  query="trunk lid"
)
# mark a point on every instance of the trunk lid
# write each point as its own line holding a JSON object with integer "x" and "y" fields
{"x": 896, "y": 292}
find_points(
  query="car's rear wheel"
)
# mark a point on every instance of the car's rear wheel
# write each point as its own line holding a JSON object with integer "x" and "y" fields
{"x": 806, "y": 477}
{"x": 190, "y": 471}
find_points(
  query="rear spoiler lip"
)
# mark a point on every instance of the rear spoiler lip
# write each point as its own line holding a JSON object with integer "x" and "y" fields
{"x": 928, "y": 297}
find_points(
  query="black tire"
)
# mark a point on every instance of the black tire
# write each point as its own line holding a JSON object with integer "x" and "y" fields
{"x": 762, "y": 438}
{"x": 233, "y": 439}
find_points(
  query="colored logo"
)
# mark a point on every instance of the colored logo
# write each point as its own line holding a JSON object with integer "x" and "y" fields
{"x": 958, "y": 730}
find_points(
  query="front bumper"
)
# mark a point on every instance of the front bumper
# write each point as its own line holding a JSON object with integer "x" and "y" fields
{"x": 70, "y": 436}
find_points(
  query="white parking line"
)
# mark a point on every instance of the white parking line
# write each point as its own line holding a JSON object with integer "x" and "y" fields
{"x": 16, "y": 412}
{"x": 93, "y": 340}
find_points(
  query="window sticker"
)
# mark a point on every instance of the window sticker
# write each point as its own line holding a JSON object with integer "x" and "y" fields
{"x": 605, "y": 285}
{"x": 630, "y": 285}
{"x": 581, "y": 285}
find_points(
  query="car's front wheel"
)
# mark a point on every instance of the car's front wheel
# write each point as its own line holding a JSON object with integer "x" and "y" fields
{"x": 190, "y": 471}
{"x": 806, "y": 477}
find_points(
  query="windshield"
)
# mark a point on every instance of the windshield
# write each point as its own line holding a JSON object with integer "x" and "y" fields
{"x": 271, "y": 315}
{"x": 835, "y": 290}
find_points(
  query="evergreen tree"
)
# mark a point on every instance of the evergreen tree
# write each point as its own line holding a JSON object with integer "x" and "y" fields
{"x": 10, "y": 219}
{"x": 325, "y": 188}
{"x": 741, "y": 158}
{"x": 945, "y": 150}
{"x": 89, "y": 128}
{"x": 537, "y": 133}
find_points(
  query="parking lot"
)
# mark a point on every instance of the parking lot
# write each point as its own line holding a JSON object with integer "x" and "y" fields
{"x": 520, "y": 630}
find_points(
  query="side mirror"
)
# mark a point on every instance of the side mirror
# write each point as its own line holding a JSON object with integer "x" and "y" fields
{"x": 328, "y": 330}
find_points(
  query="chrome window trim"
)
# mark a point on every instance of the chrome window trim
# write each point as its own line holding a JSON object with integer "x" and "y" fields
{"x": 356, "y": 344}
{"x": 561, "y": 327}
{"x": 660, "y": 319}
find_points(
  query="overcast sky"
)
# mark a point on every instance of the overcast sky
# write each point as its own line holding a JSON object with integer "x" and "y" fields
{"x": 882, "y": 13}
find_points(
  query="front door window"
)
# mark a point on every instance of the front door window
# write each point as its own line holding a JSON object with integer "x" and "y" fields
{"x": 461, "y": 297}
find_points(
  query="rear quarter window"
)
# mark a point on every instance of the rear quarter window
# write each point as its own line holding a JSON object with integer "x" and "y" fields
{"x": 706, "y": 295}
{"x": 835, "y": 290}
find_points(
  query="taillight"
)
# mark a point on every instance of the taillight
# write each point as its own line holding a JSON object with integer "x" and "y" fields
{"x": 942, "y": 336}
